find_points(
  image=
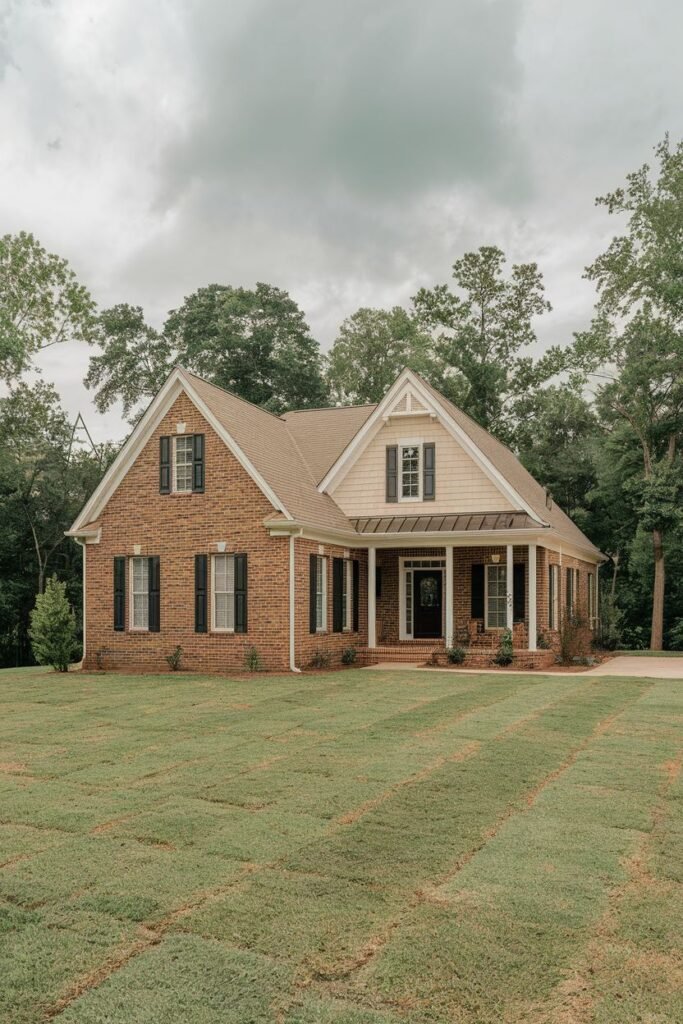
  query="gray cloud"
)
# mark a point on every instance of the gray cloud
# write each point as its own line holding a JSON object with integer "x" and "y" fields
{"x": 346, "y": 151}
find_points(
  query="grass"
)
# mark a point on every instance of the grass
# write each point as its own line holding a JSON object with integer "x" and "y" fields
{"x": 651, "y": 654}
{"x": 353, "y": 848}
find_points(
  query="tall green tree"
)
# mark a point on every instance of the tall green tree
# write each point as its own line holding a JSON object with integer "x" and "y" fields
{"x": 41, "y": 303}
{"x": 254, "y": 342}
{"x": 637, "y": 338}
{"x": 371, "y": 349}
{"x": 479, "y": 331}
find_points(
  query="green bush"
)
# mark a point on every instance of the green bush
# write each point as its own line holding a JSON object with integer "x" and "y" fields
{"x": 175, "y": 658}
{"x": 676, "y": 636}
{"x": 53, "y": 627}
{"x": 575, "y": 639}
{"x": 543, "y": 641}
{"x": 611, "y": 618}
{"x": 349, "y": 655}
{"x": 253, "y": 661}
{"x": 455, "y": 655}
{"x": 504, "y": 654}
{"x": 320, "y": 659}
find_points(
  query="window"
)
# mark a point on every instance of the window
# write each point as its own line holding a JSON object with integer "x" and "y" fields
{"x": 553, "y": 596}
{"x": 410, "y": 471}
{"x": 139, "y": 586}
{"x": 347, "y": 595}
{"x": 496, "y": 596}
{"x": 591, "y": 597}
{"x": 182, "y": 463}
{"x": 572, "y": 591}
{"x": 223, "y": 591}
{"x": 321, "y": 595}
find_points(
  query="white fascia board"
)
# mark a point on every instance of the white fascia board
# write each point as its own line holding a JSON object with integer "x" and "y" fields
{"x": 176, "y": 383}
{"x": 373, "y": 425}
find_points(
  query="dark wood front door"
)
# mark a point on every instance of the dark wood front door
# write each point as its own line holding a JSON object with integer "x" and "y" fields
{"x": 426, "y": 603}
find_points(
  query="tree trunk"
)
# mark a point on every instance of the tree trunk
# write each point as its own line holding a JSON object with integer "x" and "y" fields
{"x": 615, "y": 563}
{"x": 657, "y": 633}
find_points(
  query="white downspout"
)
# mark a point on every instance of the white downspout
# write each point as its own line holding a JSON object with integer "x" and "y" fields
{"x": 292, "y": 602}
{"x": 82, "y": 545}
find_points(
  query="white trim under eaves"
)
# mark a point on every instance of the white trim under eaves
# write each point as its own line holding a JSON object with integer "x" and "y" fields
{"x": 375, "y": 422}
{"x": 175, "y": 384}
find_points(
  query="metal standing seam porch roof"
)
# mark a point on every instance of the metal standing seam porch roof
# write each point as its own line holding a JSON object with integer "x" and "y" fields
{"x": 455, "y": 523}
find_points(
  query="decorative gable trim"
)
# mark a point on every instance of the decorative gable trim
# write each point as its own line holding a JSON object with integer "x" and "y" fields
{"x": 176, "y": 383}
{"x": 408, "y": 384}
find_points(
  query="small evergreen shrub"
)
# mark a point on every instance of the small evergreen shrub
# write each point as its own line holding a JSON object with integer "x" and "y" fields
{"x": 253, "y": 661}
{"x": 349, "y": 655}
{"x": 175, "y": 659}
{"x": 320, "y": 659}
{"x": 504, "y": 654}
{"x": 53, "y": 627}
{"x": 676, "y": 636}
{"x": 455, "y": 655}
{"x": 543, "y": 641}
{"x": 610, "y": 627}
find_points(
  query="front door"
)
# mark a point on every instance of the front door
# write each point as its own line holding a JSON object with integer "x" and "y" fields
{"x": 426, "y": 603}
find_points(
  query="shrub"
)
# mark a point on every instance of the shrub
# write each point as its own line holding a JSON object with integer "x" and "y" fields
{"x": 175, "y": 658}
{"x": 676, "y": 636}
{"x": 543, "y": 641}
{"x": 349, "y": 655}
{"x": 455, "y": 655}
{"x": 252, "y": 660}
{"x": 320, "y": 659}
{"x": 504, "y": 654}
{"x": 610, "y": 626}
{"x": 53, "y": 627}
{"x": 575, "y": 639}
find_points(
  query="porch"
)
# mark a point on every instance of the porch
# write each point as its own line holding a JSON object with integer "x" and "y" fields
{"x": 422, "y": 600}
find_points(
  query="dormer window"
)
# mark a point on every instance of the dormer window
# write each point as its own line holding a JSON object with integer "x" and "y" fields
{"x": 410, "y": 472}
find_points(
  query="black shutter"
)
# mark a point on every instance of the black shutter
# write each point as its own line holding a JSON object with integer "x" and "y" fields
{"x": 392, "y": 472}
{"x": 429, "y": 471}
{"x": 200, "y": 603}
{"x": 240, "y": 593}
{"x": 313, "y": 586}
{"x": 568, "y": 601}
{"x": 154, "y": 588}
{"x": 119, "y": 593}
{"x": 477, "y": 592}
{"x": 337, "y": 595}
{"x": 164, "y": 465}
{"x": 356, "y": 594}
{"x": 378, "y": 581}
{"x": 518, "y": 583}
{"x": 198, "y": 462}
{"x": 551, "y": 594}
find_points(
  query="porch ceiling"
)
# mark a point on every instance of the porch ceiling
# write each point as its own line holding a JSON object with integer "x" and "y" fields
{"x": 470, "y": 523}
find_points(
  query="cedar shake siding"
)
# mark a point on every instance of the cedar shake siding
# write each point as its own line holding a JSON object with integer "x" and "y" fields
{"x": 176, "y": 527}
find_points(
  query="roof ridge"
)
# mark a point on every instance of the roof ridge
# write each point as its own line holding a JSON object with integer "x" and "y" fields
{"x": 331, "y": 408}
{"x": 233, "y": 394}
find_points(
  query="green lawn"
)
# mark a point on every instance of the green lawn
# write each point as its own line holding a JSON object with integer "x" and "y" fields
{"x": 349, "y": 848}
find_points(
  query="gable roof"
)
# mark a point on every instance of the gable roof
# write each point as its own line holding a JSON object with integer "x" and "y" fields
{"x": 291, "y": 456}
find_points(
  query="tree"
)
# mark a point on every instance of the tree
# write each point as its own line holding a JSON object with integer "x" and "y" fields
{"x": 637, "y": 337}
{"x": 372, "y": 348}
{"x": 255, "y": 343}
{"x": 479, "y": 333}
{"x": 53, "y": 627}
{"x": 41, "y": 303}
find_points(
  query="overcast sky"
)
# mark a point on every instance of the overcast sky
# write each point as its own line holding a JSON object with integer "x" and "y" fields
{"x": 346, "y": 150}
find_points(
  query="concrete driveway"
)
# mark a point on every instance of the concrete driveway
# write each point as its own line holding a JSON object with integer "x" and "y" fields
{"x": 650, "y": 668}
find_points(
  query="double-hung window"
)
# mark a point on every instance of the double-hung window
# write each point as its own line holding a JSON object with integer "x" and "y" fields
{"x": 182, "y": 462}
{"x": 347, "y": 595}
{"x": 321, "y": 594}
{"x": 496, "y": 596}
{"x": 591, "y": 598}
{"x": 410, "y": 471}
{"x": 139, "y": 587}
{"x": 223, "y": 592}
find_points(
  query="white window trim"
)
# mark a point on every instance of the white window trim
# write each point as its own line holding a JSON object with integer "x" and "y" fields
{"x": 407, "y": 565}
{"x": 214, "y": 627}
{"x": 491, "y": 565}
{"x": 131, "y": 574}
{"x": 347, "y": 596}
{"x": 174, "y": 472}
{"x": 590, "y": 584}
{"x": 410, "y": 443}
{"x": 554, "y": 595}
{"x": 321, "y": 573}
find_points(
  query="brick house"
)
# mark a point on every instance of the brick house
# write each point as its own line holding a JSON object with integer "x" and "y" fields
{"x": 397, "y": 529}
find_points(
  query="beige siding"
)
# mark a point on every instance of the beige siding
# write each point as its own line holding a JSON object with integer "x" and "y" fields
{"x": 461, "y": 486}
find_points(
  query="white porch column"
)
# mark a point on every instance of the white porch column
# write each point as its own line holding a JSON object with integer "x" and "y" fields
{"x": 372, "y": 614}
{"x": 449, "y": 595}
{"x": 532, "y": 597}
{"x": 509, "y": 587}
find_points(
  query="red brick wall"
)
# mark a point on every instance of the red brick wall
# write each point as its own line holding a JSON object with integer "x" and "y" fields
{"x": 176, "y": 527}
{"x": 307, "y": 643}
